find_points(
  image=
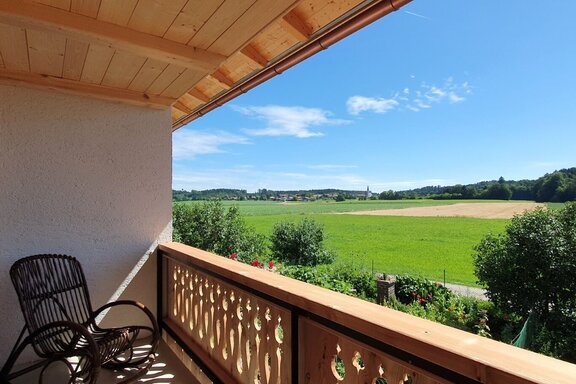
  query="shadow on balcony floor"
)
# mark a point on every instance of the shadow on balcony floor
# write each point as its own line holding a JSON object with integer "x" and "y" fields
{"x": 167, "y": 369}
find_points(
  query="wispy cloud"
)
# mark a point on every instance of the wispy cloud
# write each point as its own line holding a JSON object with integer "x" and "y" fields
{"x": 289, "y": 121}
{"x": 358, "y": 104}
{"x": 415, "y": 100}
{"x": 252, "y": 179}
{"x": 189, "y": 144}
{"x": 548, "y": 164}
{"x": 328, "y": 167}
{"x": 417, "y": 15}
{"x": 403, "y": 185}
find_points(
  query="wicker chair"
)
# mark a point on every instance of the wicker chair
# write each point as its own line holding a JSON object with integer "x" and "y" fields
{"x": 61, "y": 325}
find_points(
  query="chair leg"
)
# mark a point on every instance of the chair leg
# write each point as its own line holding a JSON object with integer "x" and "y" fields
{"x": 21, "y": 343}
{"x": 86, "y": 369}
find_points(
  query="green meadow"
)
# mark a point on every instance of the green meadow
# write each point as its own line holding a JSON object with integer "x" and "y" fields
{"x": 425, "y": 246}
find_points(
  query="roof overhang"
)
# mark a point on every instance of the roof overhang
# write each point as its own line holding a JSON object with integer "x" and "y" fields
{"x": 188, "y": 55}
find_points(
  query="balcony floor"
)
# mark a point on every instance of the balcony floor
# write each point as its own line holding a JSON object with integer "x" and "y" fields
{"x": 167, "y": 369}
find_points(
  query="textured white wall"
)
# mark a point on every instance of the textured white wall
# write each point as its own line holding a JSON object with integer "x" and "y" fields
{"x": 87, "y": 178}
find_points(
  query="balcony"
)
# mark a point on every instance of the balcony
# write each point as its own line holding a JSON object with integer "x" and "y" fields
{"x": 237, "y": 323}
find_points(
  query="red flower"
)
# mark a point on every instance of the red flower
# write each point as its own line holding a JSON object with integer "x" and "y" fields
{"x": 270, "y": 264}
{"x": 256, "y": 263}
{"x": 233, "y": 256}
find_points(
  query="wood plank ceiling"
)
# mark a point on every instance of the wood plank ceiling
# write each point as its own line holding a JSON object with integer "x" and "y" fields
{"x": 178, "y": 54}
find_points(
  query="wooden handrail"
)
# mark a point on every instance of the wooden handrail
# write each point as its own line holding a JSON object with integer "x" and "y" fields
{"x": 450, "y": 355}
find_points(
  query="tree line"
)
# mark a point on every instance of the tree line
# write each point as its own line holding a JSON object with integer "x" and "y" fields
{"x": 558, "y": 186}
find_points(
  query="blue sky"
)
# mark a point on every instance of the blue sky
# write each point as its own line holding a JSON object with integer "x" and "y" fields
{"x": 438, "y": 93}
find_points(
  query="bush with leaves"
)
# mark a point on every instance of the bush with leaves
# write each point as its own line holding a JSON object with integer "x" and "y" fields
{"x": 345, "y": 278}
{"x": 531, "y": 268}
{"x": 300, "y": 243}
{"x": 212, "y": 227}
{"x": 429, "y": 300}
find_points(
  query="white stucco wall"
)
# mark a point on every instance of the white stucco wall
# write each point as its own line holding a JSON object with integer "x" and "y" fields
{"x": 83, "y": 177}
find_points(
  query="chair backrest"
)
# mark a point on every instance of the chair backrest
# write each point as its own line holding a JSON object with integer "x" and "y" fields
{"x": 51, "y": 288}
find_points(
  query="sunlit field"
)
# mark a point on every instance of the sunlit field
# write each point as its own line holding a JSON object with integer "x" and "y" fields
{"x": 432, "y": 247}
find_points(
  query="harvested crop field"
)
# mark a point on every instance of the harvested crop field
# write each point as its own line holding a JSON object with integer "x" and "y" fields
{"x": 476, "y": 210}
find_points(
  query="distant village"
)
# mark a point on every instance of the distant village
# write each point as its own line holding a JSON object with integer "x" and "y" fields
{"x": 558, "y": 186}
{"x": 266, "y": 194}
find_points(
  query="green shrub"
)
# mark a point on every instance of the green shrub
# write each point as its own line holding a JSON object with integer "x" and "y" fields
{"x": 427, "y": 299}
{"x": 413, "y": 288}
{"x": 344, "y": 278}
{"x": 530, "y": 269}
{"x": 321, "y": 277}
{"x": 362, "y": 280}
{"x": 300, "y": 243}
{"x": 212, "y": 227}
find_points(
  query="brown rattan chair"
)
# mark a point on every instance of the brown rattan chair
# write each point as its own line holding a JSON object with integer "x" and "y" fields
{"x": 60, "y": 324}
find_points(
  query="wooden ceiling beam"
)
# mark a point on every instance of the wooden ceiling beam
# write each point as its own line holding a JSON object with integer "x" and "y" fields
{"x": 296, "y": 26}
{"x": 199, "y": 95}
{"x": 45, "y": 82}
{"x": 182, "y": 107}
{"x": 83, "y": 28}
{"x": 253, "y": 54}
{"x": 223, "y": 79}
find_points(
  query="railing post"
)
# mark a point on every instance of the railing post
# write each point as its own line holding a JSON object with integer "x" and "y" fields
{"x": 161, "y": 282}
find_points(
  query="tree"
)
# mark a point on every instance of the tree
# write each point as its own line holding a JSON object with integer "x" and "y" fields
{"x": 498, "y": 191}
{"x": 548, "y": 190}
{"x": 389, "y": 195}
{"x": 209, "y": 226}
{"x": 557, "y": 186}
{"x": 300, "y": 243}
{"x": 531, "y": 268}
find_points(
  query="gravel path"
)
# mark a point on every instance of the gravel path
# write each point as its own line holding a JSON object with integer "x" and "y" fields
{"x": 468, "y": 291}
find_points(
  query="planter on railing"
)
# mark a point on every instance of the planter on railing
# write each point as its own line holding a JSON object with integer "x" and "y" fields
{"x": 246, "y": 325}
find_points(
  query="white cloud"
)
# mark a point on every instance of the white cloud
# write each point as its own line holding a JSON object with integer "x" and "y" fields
{"x": 358, "y": 104}
{"x": 407, "y": 184}
{"x": 549, "y": 164}
{"x": 254, "y": 178}
{"x": 187, "y": 144}
{"x": 328, "y": 167}
{"x": 289, "y": 121}
{"x": 415, "y": 100}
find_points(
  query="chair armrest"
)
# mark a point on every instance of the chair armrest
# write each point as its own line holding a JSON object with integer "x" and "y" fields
{"x": 155, "y": 329}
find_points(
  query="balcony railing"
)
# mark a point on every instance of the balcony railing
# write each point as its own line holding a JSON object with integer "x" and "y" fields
{"x": 246, "y": 325}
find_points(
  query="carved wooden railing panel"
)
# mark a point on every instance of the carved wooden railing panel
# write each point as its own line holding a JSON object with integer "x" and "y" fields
{"x": 239, "y": 331}
{"x": 242, "y": 324}
{"x": 336, "y": 358}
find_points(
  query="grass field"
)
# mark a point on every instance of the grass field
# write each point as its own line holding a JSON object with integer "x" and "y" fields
{"x": 425, "y": 246}
{"x": 264, "y": 208}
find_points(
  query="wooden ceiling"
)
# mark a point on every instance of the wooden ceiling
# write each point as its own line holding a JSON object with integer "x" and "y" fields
{"x": 178, "y": 54}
